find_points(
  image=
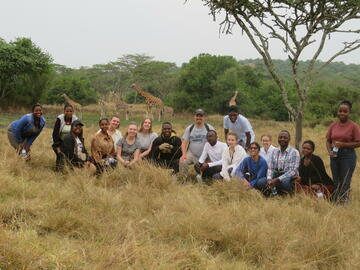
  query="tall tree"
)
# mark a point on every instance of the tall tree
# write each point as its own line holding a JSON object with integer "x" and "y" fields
{"x": 22, "y": 61}
{"x": 197, "y": 78}
{"x": 297, "y": 25}
{"x": 76, "y": 87}
{"x": 157, "y": 77}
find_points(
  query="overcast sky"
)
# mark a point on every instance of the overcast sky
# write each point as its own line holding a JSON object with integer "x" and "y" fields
{"x": 86, "y": 32}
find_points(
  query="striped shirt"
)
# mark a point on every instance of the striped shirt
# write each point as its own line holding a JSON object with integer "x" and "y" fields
{"x": 287, "y": 162}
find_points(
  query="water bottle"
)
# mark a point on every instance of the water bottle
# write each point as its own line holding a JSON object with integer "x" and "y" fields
{"x": 23, "y": 153}
{"x": 274, "y": 191}
{"x": 319, "y": 194}
{"x": 112, "y": 160}
{"x": 335, "y": 151}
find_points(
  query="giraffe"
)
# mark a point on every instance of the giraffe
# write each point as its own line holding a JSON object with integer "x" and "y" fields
{"x": 106, "y": 108}
{"x": 232, "y": 101}
{"x": 120, "y": 105}
{"x": 151, "y": 101}
{"x": 123, "y": 106}
{"x": 76, "y": 106}
{"x": 102, "y": 106}
{"x": 168, "y": 111}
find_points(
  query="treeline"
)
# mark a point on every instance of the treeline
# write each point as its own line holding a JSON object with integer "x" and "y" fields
{"x": 28, "y": 75}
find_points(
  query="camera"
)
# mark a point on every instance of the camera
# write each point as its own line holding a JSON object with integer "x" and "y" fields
{"x": 278, "y": 173}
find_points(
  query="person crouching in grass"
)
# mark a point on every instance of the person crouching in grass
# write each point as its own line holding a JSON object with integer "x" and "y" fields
{"x": 252, "y": 169}
{"x": 282, "y": 167}
{"x": 128, "y": 148}
{"x": 313, "y": 178}
{"x": 210, "y": 161}
{"x": 73, "y": 151}
{"x": 102, "y": 148}
{"x": 166, "y": 149}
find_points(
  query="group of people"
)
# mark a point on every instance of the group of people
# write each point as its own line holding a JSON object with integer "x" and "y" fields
{"x": 271, "y": 170}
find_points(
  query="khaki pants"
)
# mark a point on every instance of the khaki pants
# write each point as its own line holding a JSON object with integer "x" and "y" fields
{"x": 190, "y": 159}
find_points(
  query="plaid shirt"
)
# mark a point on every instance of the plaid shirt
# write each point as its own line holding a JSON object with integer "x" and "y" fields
{"x": 287, "y": 161}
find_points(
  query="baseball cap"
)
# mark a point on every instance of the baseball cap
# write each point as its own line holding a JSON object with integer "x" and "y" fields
{"x": 77, "y": 123}
{"x": 199, "y": 112}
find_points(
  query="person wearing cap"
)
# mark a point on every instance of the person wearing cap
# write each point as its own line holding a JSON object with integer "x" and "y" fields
{"x": 193, "y": 141}
{"x": 240, "y": 125}
{"x": 62, "y": 127}
{"x": 72, "y": 149}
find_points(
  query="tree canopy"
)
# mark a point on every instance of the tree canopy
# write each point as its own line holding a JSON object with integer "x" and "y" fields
{"x": 24, "y": 72}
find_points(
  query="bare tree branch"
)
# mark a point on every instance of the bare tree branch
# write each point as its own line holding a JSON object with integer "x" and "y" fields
{"x": 348, "y": 47}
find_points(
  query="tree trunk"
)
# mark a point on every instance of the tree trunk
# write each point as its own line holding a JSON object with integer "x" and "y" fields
{"x": 298, "y": 129}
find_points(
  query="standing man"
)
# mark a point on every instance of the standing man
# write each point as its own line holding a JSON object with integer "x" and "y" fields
{"x": 193, "y": 141}
{"x": 166, "y": 149}
{"x": 240, "y": 125}
{"x": 282, "y": 167}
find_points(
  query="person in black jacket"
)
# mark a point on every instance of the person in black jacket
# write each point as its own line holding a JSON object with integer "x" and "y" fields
{"x": 312, "y": 177}
{"x": 166, "y": 149}
{"x": 72, "y": 148}
{"x": 62, "y": 127}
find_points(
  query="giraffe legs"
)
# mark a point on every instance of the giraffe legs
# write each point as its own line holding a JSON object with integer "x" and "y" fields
{"x": 159, "y": 115}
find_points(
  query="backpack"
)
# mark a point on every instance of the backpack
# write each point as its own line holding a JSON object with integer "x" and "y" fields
{"x": 191, "y": 129}
{"x": 193, "y": 125}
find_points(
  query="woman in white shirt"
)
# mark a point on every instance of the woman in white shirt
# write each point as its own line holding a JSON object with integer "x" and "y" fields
{"x": 146, "y": 137}
{"x": 267, "y": 149}
{"x": 232, "y": 156}
{"x": 113, "y": 130}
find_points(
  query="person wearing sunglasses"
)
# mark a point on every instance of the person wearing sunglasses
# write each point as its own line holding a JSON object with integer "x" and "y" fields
{"x": 253, "y": 168}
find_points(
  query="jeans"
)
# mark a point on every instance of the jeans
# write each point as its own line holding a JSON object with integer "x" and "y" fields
{"x": 342, "y": 168}
{"x": 12, "y": 139}
{"x": 285, "y": 186}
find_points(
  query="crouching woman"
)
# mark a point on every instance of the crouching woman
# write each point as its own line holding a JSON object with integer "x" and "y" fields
{"x": 252, "y": 169}
{"x": 313, "y": 178}
{"x": 73, "y": 151}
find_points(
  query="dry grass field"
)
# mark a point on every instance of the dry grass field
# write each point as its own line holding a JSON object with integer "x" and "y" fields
{"x": 145, "y": 219}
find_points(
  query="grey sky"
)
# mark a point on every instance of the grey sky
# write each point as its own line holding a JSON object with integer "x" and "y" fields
{"x": 86, "y": 32}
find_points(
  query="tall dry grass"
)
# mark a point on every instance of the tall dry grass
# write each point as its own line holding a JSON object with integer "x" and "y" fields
{"x": 144, "y": 219}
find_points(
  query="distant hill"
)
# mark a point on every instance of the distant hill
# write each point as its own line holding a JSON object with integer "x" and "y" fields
{"x": 336, "y": 73}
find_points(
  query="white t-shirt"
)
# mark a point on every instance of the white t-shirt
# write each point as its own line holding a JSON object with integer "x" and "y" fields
{"x": 232, "y": 162}
{"x": 197, "y": 139}
{"x": 214, "y": 153}
{"x": 240, "y": 127}
{"x": 267, "y": 155}
{"x": 79, "y": 145}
